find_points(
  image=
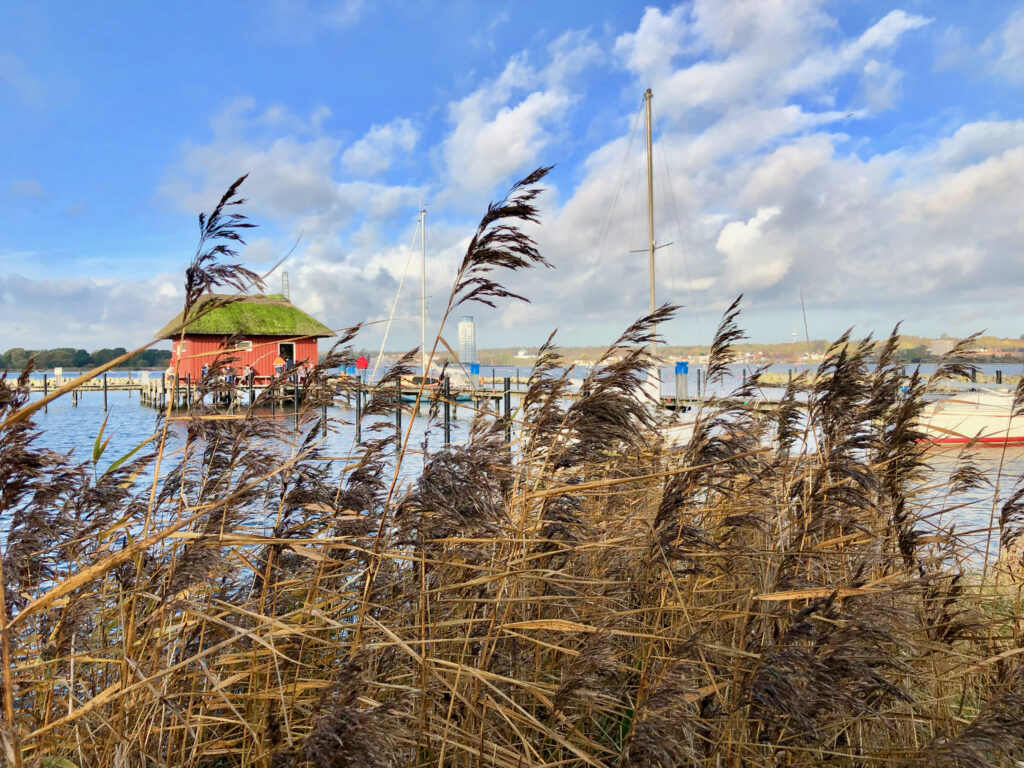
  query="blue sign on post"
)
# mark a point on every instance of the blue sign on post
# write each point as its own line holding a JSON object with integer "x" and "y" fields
{"x": 474, "y": 368}
{"x": 683, "y": 367}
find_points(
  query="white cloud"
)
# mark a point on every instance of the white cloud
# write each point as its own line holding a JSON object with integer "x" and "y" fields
{"x": 1010, "y": 43}
{"x": 769, "y": 195}
{"x": 752, "y": 261}
{"x": 504, "y": 126}
{"x": 43, "y": 313}
{"x": 374, "y": 153}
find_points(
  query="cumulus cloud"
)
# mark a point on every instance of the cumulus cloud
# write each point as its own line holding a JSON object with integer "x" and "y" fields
{"x": 760, "y": 188}
{"x": 374, "y": 153}
{"x": 751, "y": 260}
{"x": 505, "y": 126}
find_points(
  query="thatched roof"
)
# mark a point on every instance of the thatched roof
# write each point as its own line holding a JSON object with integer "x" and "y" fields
{"x": 256, "y": 315}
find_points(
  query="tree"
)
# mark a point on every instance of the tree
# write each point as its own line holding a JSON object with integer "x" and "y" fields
{"x": 16, "y": 358}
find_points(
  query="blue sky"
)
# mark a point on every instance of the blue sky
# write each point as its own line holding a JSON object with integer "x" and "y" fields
{"x": 869, "y": 154}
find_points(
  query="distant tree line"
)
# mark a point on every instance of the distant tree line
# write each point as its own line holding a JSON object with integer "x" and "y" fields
{"x": 16, "y": 358}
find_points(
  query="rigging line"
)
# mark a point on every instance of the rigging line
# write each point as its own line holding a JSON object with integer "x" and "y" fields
{"x": 679, "y": 240}
{"x": 394, "y": 306}
{"x": 603, "y": 232}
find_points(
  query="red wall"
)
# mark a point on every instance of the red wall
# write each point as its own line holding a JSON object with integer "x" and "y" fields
{"x": 202, "y": 350}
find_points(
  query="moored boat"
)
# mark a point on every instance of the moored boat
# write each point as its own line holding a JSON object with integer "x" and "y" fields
{"x": 985, "y": 416}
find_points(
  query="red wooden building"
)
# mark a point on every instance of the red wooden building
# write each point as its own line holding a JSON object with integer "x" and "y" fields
{"x": 263, "y": 329}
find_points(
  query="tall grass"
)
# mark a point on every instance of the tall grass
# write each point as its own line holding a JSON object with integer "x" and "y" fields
{"x": 776, "y": 592}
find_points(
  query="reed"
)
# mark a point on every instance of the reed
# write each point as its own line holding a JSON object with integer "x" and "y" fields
{"x": 776, "y": 592}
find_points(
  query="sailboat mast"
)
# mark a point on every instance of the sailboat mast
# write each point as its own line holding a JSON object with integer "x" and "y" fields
{"x": 423, "y": 290}
{"x": 650, "y": 206}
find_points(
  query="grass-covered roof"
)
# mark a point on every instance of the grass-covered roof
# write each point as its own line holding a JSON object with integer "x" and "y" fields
{"x": 256, "y": 315}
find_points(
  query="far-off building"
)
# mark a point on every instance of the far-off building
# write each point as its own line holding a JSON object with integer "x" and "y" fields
{"x": 940, "y": 347}
{"x": 467, "y": 340}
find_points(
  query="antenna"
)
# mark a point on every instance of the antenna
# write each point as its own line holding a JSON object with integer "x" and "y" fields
{"x": 285, "y": 286}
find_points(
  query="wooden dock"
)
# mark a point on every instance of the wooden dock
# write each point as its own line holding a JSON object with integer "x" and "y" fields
{"x": 156, "y": 391}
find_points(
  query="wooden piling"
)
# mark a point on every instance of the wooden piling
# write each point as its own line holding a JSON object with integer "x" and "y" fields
{"x": 447, "y": 395}
{"x": 104, "y": 392}
{"x": 359, "y": 411}
{"x": 508, "y": 409}
{"x": 46, "y": 389}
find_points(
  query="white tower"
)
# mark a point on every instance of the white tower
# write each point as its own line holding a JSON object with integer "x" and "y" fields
{"x": 467, "y": 340}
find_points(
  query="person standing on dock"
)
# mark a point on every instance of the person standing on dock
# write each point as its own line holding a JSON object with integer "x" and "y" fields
{"x": 278, "y": 365}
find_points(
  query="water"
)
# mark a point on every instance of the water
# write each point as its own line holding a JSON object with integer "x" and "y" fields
{"x": 74, "y": 428}
{"x": 66, "y": 427}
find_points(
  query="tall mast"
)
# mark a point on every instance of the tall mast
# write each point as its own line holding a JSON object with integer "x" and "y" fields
{"x": 423, "y": 290}
{"x": 650, "y": 207}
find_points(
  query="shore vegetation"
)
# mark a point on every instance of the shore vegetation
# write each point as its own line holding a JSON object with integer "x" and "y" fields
{"x": 779, "y": 591}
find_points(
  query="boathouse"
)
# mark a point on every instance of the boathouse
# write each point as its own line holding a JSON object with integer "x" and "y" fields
{"x": 260, "y": 328}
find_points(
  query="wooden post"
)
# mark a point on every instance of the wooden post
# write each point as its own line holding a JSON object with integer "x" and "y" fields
{"x": 398, "y": 418}
{"x": 104, "y": 391}
{"x": 359, "y": 411}
{"x": 252, "y": 391}
{"x": 323, "y": 419}
{"x": 494, "y": 381}
{"x": 447, "y": 395}
{"x": 295, "y": 399}
{"x": 46, "y": 389}
{"x": 508, "y": 409}
{"x": 999, "y": 377}
{"x": 188, "y": 389}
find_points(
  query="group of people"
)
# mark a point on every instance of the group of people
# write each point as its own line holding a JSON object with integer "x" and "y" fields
{"x": 249, "y": 372}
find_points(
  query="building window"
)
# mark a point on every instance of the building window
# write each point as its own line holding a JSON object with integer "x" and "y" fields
{"x": 245, "y": 344}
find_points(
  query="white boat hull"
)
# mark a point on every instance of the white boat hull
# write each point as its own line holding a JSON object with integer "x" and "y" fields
{"x": 984, "y": 417}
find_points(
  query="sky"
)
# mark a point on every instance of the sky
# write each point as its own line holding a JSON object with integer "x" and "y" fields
{"x": 838, "y": 163}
